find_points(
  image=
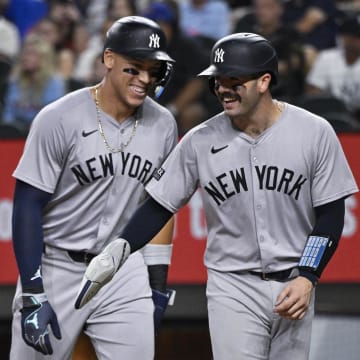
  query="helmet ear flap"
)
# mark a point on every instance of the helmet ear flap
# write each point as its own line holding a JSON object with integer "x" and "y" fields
{"x": 212, "y": 84}
{"x": 164, "y": 77}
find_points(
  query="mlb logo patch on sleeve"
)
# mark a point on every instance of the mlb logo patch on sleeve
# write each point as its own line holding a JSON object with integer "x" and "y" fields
{"x": 158, "y": 173}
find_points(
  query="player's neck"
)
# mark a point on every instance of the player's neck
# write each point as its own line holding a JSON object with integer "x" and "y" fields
{"x": 263, "y": 117}
{"x": 108, "y": 103}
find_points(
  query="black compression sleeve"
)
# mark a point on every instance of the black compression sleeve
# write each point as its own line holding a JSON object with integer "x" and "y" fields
{"x": 158, "y": 276}
{"x": 330, "y": 219}
{"x": 329, "y": 222}
{"x": 27, "y": 233}
{"x": 146, "y": 222}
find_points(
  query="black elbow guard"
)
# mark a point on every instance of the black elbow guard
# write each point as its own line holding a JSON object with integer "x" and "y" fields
{"x": 317, "y": 253}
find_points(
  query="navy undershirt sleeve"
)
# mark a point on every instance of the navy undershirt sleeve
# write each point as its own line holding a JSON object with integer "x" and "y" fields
{"x": 27, "y": 233}
{"x": 146, "y": 222}
{"x": 330, "y": 219}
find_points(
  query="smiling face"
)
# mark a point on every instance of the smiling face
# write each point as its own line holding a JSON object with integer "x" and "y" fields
{"x": 131, "y": 79}
{"x": 237, "y": 95}
{"x": 247, "y": 100}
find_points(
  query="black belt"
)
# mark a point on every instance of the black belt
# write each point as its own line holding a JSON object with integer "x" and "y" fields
{"x": 276, "y": 275}
{"x": 81, "y": 256}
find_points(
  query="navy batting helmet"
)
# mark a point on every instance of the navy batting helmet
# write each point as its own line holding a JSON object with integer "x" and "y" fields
{"x": 137, "y": 37}
{"x": 140, "y": 38}
{"x": 242, "y": 54}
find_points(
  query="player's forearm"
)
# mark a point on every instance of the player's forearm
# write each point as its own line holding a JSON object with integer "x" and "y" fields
{"x": 27, "y": 234}
{"x": 146, "y": 222}
{"x": 313, "y": 17}
{"x": 329, "y": 223}
{"x": 157, "y": 256}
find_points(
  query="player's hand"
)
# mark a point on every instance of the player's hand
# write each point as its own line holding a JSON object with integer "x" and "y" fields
{"x": 161, "y": 301}
{"x": 36, "y": 316}
{"x": 101, "y": 270}
{"x": 294, "y": 299}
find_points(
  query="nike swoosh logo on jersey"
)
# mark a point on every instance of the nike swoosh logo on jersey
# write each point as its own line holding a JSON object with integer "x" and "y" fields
{"x": 85, "y": 134}
{"x": 214, "y": 151}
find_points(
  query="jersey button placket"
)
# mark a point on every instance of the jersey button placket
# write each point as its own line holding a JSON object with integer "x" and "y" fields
{"x": 122, "y": 131}
{"x": 259, "y": 201}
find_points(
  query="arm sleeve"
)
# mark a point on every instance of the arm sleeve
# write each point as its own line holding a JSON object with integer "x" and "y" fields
{"x": 27, "y": 234}
{"x": 146, "y": 222}
{"x": 329, "y": 222}
{"x": 158, "y": 276}
{"x": 330, "y": 219}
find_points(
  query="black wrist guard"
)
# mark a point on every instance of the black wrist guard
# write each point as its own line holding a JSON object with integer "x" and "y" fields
{"x": 309, "y": 275}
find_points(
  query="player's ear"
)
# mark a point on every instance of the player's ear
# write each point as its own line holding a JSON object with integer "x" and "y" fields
{"x": 109, "y": 58}
{"x": 263, "y": 82}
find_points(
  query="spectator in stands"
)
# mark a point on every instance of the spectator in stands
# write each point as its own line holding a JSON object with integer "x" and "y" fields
{"x": 204, "y": 18}
{"x": 65, "y": 68}
{"x": 183, "y": 93}
{"x": 48, "y": 29}
{"x": 9, "y": 50}
{"x": 337, "y": 71}
{"x": 92, "y": 12}
{"x": 66, "y": 15}
{"x": 9, "y": 33}
{"x": 117, "y": 9}
{"x": 348, "y": 6}
{"x": 34, "y": 83}
{"x": 265, "y": 18}
{"x": 84, "y": 53}
{"x": 315, "y": 20}
{"x": 98, "y": 70}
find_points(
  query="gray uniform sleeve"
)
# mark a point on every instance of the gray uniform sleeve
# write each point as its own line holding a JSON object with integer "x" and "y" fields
{"x": 177, "y": 179}
{"x": 333, "y": 178}
{"x": 41, "y": 161}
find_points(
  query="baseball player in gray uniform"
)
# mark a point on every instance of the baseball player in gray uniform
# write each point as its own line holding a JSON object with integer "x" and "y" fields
{"x": 273, "y": 179}
{"x": 81, "y": 177}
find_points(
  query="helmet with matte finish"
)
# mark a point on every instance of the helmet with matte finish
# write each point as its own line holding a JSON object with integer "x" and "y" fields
{"x": 137, "y": 37}
{"x": 242, "y": 54}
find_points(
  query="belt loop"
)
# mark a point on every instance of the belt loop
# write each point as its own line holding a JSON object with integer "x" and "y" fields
{"x": 263, "y": 276}
{"x": 87, "y": 258}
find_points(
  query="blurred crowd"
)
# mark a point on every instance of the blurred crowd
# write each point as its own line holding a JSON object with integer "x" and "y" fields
{"x": 51, "y": 47}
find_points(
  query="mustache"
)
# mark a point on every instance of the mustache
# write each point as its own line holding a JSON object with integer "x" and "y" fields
{"x": 229, "y": 95}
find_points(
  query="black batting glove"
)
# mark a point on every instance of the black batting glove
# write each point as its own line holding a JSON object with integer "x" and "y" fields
{"x": 36, "y": 316}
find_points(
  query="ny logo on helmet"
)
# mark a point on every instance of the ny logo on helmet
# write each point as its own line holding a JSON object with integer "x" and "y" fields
{"x": 219, "y": 55}
{"x": 154, "y": 41}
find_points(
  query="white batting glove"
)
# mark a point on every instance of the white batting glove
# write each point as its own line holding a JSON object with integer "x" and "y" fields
{"x": 101, "y": 270}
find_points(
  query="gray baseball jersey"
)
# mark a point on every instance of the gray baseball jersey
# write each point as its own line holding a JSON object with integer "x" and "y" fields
{"x": 94, "y": 191}
{"x": 295, "y": 165}
{"x": 94, "y": 194}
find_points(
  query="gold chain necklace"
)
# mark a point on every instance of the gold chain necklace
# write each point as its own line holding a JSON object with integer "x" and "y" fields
{"x": 110, "y": 148}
